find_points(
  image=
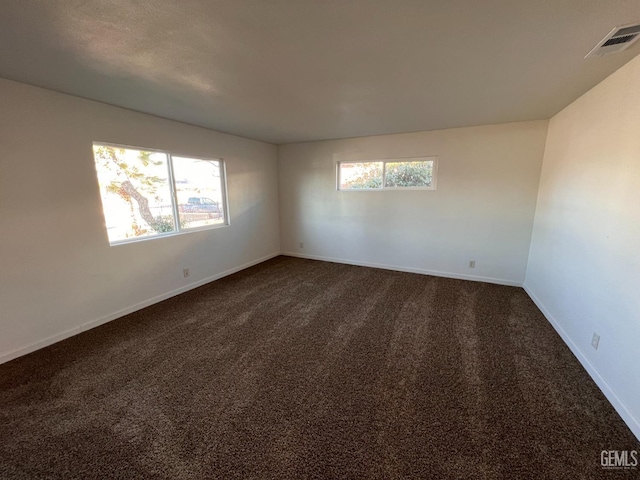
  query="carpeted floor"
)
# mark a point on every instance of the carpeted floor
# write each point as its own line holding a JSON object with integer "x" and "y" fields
{"x": 299, "y": 369}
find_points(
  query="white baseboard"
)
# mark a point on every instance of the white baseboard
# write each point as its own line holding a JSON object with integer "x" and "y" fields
{"x": 45, "y": 342}
{"x": 423, "y": 271}
{"x": 620, "y": 407}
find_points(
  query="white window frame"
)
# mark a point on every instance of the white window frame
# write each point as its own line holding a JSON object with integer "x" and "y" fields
{"x": 174, "y": 193}
{"x": 425, "y": 158}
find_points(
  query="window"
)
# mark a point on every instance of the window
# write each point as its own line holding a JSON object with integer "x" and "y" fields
{"x": 148, "y": 193}
{"x": 405, "y": 173}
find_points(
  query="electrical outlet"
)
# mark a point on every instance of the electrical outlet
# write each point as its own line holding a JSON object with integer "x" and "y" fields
{"x": 185, "y": 272}
{"x": 595, "y": 340}
{"x": 472, "y": 264}
{"x": 301, "y": 244}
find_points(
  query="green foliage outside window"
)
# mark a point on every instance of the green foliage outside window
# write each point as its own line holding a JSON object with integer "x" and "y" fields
{"x": 368, "y": 175}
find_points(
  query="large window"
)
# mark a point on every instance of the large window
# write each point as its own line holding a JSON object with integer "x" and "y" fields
{"x": 404, "y": 173}
{"x": 151, "y": 193}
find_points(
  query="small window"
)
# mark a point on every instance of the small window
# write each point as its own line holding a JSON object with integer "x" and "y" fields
{"x": 406, "y": 173}
{"x": 148, "y": 193}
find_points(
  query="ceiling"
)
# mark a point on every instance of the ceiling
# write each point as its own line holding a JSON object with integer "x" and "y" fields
{"x": 296, "y": 70}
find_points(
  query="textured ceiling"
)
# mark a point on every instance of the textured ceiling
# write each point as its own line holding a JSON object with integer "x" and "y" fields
{"x": 295, "y": 70}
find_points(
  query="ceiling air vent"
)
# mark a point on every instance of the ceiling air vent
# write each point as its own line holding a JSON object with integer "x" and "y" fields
{"x": 617, "y": 40}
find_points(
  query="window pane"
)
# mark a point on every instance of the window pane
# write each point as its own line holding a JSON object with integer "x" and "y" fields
{"x": 200, "y": 192}
{"x": 409, "y": 174}
{"x": 135, "y": 191}
{"x": 354, "y": 176}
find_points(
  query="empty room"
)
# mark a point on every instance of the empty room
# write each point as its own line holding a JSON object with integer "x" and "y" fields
{"x": 295, "y": 239}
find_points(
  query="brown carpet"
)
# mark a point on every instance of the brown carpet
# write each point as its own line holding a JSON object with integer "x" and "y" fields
{"x": 300, "y": 369}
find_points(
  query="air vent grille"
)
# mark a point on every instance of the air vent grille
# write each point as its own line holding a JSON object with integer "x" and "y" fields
{"x": 618, "y": 39}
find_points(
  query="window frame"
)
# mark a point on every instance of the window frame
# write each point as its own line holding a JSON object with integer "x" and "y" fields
{"x": 384, "y": 161}
{"x": 173, "y": 191}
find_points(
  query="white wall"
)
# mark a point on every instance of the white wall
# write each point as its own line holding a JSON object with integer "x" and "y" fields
{"x": 58, "y": 273}
{"x": 482, "y": 209}
{"x": 584, "y": 265}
